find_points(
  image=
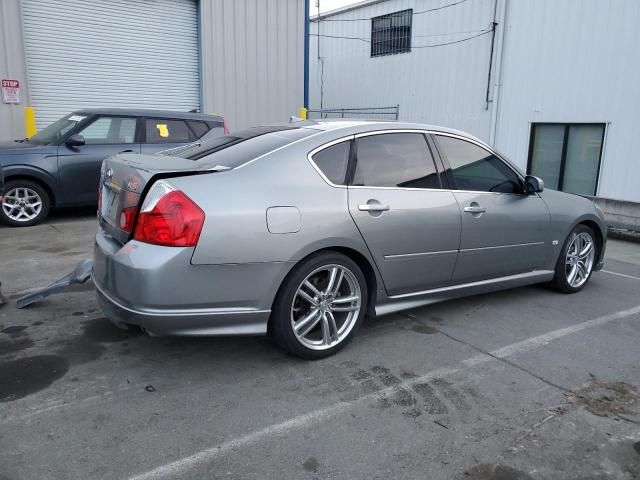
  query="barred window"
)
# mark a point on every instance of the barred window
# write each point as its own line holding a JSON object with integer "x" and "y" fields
{"x": 391, "y": 33}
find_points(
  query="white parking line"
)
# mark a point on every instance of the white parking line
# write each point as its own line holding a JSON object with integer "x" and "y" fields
{"x": 180, "y": 467}
{"x": 620, "y": 274}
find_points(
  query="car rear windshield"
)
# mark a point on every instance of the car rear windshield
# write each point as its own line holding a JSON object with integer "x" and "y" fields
{"x": 240, "y": 147}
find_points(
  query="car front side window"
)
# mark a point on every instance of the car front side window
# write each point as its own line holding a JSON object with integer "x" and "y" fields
{"x": 477, "y": 169}
{"x": 110, "y": 130}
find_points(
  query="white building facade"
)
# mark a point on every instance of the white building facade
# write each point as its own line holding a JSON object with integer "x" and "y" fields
{"x": 556, "y": 86}
{"x": 240, "y": 58}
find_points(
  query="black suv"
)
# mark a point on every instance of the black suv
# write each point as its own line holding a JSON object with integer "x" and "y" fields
{"x": 60, "y": 166}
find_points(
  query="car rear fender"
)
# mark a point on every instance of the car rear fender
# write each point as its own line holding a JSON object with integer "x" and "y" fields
{"x": 356, "y": 252}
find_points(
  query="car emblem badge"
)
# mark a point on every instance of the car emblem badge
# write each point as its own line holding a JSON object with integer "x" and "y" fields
{"x": 109, "y": 173}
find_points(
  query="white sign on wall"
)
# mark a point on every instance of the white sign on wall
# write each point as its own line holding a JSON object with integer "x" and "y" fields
{"x": 11, "y": 91}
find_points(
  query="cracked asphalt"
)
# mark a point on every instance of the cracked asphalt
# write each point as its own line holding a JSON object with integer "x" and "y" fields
{"x": 517, "y": 385}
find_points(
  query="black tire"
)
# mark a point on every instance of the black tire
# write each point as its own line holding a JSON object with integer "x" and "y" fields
{"x": 35, "y": 187}
{"x": 281, "y": 327}
{"x": 560, "y": 281}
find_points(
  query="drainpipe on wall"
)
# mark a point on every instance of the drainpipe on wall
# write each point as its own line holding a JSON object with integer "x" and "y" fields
{"x": 306, "y": 54}
{"x": 501, "y": 21}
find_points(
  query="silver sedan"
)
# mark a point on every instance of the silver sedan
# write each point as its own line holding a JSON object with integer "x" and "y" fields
{"x": 300, "y": 230}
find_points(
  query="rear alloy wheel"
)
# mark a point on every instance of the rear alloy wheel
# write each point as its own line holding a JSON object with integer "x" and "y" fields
{"x": 320, "y": 306}
{"x": 576, "y": 260}
{"x": 25, "y": 203}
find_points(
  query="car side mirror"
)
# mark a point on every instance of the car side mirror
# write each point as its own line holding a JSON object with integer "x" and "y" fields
{"x": 534, "y": 184}
{"x": 75, "y": 141}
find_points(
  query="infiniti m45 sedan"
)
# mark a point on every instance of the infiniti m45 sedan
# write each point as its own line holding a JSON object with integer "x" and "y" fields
{"x": 298, "y": 231}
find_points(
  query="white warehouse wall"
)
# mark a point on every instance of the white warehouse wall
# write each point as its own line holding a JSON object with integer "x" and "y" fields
{"x": 441, "y": 85}
{"x": 12, "y": 66}
{"x": 565, "y": 62}
{"x": 252, "y": 59}
{"x": 558, "y": 61}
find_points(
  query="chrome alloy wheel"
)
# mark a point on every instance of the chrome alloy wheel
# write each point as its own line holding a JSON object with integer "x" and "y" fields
{"x": 325, "y": 307}
{"x": 22, "y": 204}
{"x": 579, "y": 261}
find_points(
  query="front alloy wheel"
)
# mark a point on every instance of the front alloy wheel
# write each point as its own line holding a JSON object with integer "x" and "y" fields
{"x": 576, "y": 260}
{"x": 579, "y": 259}
{"x": 319, "y": 306}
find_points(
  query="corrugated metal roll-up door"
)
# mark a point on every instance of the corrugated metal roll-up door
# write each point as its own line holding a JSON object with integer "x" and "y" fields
{"x": 116, "y": 53}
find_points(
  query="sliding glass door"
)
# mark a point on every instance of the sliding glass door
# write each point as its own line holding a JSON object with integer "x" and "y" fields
{"x": 567, "y": 156}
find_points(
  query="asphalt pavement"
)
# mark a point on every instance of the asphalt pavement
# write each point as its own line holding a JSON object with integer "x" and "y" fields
{"x": 516, "y": 385}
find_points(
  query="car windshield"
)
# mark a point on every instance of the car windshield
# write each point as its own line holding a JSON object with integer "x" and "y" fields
{"x": 240, "y": 147}
{"x": 57, "y": 130}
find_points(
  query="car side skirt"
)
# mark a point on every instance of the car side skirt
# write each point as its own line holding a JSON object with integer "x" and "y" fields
{"x": 406, "y": 301}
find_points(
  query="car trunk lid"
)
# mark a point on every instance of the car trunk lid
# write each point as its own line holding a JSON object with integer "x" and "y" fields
{"x": 124, "y": 181}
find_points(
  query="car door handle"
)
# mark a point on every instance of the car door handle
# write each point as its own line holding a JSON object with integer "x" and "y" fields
{"x": 475, "y": 209}
{"x": 373, "y": 207}
{"x": 126, "y": 151}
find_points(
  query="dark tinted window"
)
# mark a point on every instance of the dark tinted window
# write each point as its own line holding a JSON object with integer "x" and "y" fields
{"x": 333, "y": 161}
{"x": 199, "y": 128}
{"x": 391, "y": 33}
{"x": 241, "y": 147}
{"x": 236, "y": 154}
{"x": 395, "y": 160}
{"x": 477, "y": 169}
{"x": 167, "y": 131}
{"x": 567, "y": 156}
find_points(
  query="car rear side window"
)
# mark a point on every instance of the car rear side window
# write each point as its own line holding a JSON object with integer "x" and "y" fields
{"x": 395, "y": 160}
{"x": 333, "y": 161}
{"x": 160, "y": 130}
{"x": 477, "y": 169}
{"x": 198, "y": 127}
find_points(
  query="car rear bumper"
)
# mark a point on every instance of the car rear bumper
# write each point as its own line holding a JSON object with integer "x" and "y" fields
{"x": 203, "y": 321}
{"x": 157, "y": 288}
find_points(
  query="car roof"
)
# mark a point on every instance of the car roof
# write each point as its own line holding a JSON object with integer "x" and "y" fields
{"x": 372, "y": 125}
{"x": 148, "y": 112}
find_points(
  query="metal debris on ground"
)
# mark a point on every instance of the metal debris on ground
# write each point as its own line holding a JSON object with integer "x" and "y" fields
{"x": 80, "y": 274}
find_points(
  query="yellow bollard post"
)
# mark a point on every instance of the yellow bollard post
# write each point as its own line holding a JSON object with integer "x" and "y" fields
{"x": 302, "y": 113}
{"x": 30, "y": 122}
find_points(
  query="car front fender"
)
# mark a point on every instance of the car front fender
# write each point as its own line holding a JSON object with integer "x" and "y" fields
{"x": 44, "y": 177}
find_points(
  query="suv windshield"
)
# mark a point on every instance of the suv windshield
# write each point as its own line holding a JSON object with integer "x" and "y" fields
{"x": 57, "y": 130}
{"x": 240, "y": 147}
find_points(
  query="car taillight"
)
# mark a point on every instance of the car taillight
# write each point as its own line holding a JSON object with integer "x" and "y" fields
{"x": 127, "y": 218}
{"x": 168, "y": 217}
{"x": 226, "y": 128}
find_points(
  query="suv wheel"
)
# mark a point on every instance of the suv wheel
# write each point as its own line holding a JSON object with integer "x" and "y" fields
{"x": 25, "y": 203}
{"x": 319, "y": 306}
{"x": 576, "y": 260}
